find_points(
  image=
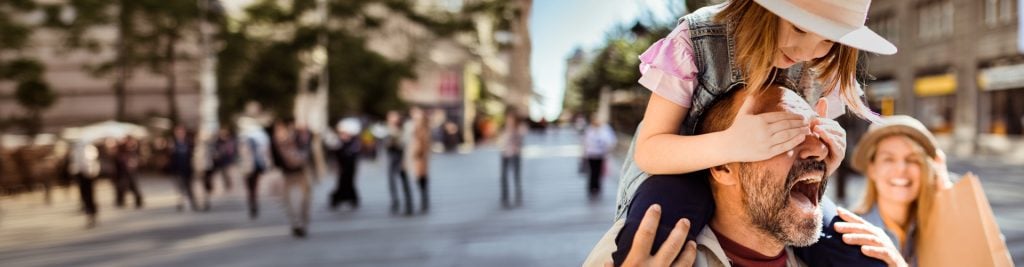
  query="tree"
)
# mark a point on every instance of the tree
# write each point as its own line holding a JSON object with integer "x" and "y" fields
{"x": 261, "y": 66}
{"x": 35, "y": 96}
{"x": 76, "y": 18}
{"x": 31, "y": 92}
{"x": 168, "y": 23}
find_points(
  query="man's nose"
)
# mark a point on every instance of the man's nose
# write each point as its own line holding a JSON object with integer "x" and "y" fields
{"x": 812, "y": 148}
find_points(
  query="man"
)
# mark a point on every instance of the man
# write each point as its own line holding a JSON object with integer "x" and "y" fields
{"x": 290, "y": 150}
{"x": 762, "y": 209}
{"x": 127, "y": 168}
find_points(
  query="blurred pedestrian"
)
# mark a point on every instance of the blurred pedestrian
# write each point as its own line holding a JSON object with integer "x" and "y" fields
{"x": 224, "y": 152}
{"x": 257, "y": 144}
{"x": 291, "y": 153}
{"x": 451, "y": 136}
{"x": 395, "y": 147}
{"x": 417, "y": 134}
{"x": 347, "y": 153}
{"x": 84, "y": 166}
{"x": 127, "y": 167}
{"x": 511, "y": 157}
{"x": 181, "y": 166}
{"x": 108, "y": 153}
{"x": 598, "y": 141}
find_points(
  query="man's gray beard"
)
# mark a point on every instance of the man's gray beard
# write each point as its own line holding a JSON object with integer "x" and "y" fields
{"x": 766, "y": 204}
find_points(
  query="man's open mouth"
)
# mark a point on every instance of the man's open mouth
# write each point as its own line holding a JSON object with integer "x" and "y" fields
{"x": 809, "y": 187}
{"x": 807, "y": 181}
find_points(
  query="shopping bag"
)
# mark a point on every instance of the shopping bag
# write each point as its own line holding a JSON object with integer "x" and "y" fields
{"x": 960, "y": 229}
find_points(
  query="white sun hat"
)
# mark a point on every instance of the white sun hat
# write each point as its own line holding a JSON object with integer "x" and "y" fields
{"x": 841, "y": 21}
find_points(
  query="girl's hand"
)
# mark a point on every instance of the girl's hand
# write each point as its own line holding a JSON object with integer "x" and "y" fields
{"x": 833, "y": 135}
{"x": 757, "y": 137}
{"x": 872, "y": 240}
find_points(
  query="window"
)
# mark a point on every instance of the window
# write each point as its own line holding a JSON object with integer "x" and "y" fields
{"x": 935, "y": 20}
{"x": 887, "y": 27}
{"x": 999, "y": 12}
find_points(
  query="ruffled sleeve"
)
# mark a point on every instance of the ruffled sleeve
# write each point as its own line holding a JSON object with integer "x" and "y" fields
{"x": 667, "y": 67}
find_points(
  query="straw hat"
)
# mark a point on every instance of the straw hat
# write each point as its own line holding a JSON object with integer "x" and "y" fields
{"x": 890, "y": 126}
{"x": 841, "y": 21}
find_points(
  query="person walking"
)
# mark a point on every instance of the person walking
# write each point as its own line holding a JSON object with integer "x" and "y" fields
{"x": 257, "y": 145}
{"x": 127, "y": 164}
{"x": 347, "y": 154}
{"x": 84, "y": 167}
{"x": 292, "y": 156}
{"x": 223, "y": 151}
{"x": 598, "y": 141}
{"x": 418, "y": 137}
{"x": 511, "y": 157}
{"x": 181, "y": 166}
{"x": 395, "y": 147}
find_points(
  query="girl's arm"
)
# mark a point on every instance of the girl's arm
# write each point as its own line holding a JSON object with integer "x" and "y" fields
{"x": 751, "y": 137}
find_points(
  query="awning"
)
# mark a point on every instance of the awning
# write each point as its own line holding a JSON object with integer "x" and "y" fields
{"x": 883, "y": 89}
{"x": 1001, "y": 78}
{"x": 936, "y": 85}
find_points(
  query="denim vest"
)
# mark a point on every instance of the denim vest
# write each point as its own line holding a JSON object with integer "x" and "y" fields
{"x": 717, "y": 73}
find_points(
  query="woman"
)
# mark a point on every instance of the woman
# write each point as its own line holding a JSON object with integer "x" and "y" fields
{"x": 417, "y": 137}
{"x": 904, "y": 170}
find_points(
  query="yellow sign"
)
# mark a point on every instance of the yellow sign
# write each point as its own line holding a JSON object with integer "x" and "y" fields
{"x": 937, "y": 85}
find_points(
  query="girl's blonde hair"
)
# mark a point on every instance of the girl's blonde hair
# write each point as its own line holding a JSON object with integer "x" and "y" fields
{"x": 929, "y": 180}
{"x": 756, "y": 35}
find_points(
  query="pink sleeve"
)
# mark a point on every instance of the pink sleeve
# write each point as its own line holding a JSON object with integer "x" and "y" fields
{"x": 667, "y": 67}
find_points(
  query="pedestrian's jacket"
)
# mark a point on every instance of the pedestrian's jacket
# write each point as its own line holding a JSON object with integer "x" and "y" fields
{"x": 291, "y": 155}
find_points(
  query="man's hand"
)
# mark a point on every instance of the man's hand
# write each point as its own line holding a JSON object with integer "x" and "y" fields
{"x": 873, "y": 240}
{"x": 671, "y": 252}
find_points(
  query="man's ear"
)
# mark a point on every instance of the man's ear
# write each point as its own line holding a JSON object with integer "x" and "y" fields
{"x": 727, "y": 174}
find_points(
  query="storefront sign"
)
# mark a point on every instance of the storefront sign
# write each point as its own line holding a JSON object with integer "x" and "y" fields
{"x": 936, "y": 85}
{"x": 883, "y": 89}
{"x": 1000, "y": 78}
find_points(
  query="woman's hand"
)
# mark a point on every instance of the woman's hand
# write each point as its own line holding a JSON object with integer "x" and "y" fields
{"x": 671, "y": 252}
{"x": 873, "y": 240}
{"x": 941, "y": 170}
{"x": 757, "y": 137}
{"x": 833, "y": 135}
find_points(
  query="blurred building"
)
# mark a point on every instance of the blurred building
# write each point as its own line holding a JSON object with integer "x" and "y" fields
{"x": 959, "y": 70}
{"x": 575, "y": 66}
{"x": 83, "y": 97}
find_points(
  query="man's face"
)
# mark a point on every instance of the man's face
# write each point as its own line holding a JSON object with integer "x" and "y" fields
{"x": 781, "y": 194}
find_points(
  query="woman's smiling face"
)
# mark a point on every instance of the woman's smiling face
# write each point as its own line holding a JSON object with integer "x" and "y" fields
{"x": 896, "y": 170}
{"x": 798, "y": 45}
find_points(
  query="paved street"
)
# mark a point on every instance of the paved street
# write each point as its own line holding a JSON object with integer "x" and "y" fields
{"x": 467, "y": 226}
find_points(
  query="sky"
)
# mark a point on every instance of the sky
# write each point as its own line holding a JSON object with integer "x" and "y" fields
{"x": 558, "y": 27}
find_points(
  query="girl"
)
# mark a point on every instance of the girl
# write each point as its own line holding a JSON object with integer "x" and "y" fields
{"x": 809, "y": 45}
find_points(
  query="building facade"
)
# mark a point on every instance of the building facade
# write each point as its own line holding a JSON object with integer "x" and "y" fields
{"x": 83, "y": 98}
{"x": 959, "y": 70}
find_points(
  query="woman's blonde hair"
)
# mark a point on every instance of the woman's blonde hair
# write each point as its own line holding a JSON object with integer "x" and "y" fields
{"x": 921, "y": 206}
{"x": 756, "y": 34}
